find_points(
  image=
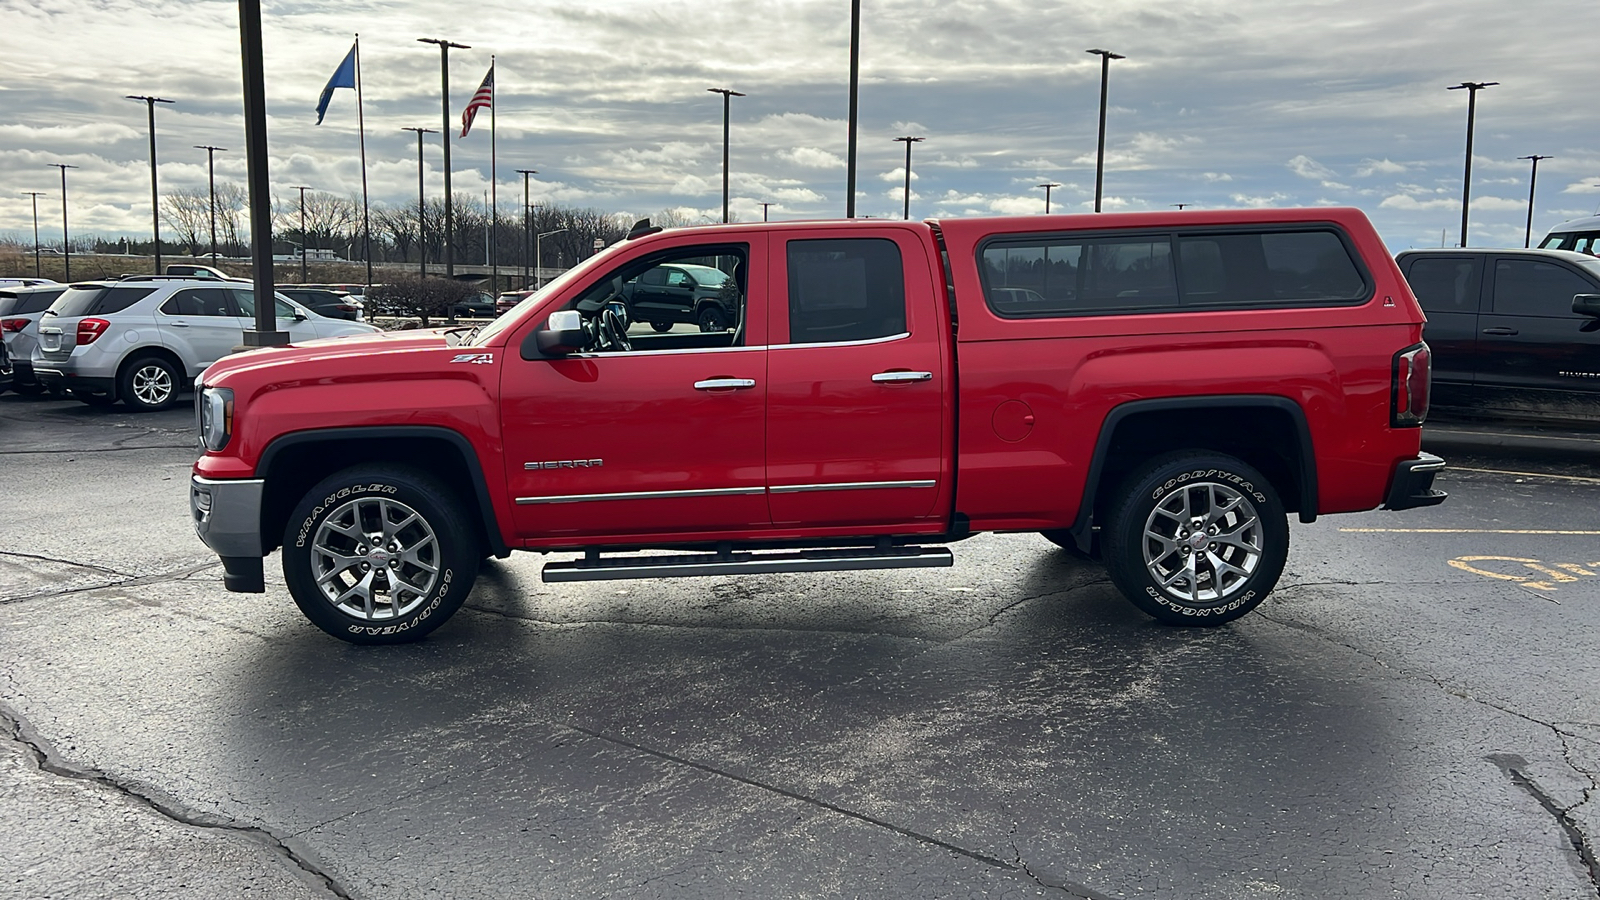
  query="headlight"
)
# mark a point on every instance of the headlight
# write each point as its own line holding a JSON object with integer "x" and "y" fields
{"x": 216, "y": 417}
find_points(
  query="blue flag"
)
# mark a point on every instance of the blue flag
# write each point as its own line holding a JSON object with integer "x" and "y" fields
{"x": 344, "y": 76}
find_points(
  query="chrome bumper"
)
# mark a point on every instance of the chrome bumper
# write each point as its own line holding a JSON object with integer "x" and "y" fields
{"x": 227, "y": 517}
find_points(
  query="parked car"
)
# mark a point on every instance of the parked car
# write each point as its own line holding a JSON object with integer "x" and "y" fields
{"x": 143, "y": 340}
{"x": 509, "y": 299}
{"x": 1514, "y": 333}
{"x": 1580, "y": 235}
{"x": 1164, "y": 417}
{"x": 20, "y": 310}
{"x": 686, "y": 292}
{"x": 23, "y": 282}
{"x": 480, "y": 305}
{"x": 333, "y": 304}
{"x": 6, "y": 371}
{"x": 191, "y": 270}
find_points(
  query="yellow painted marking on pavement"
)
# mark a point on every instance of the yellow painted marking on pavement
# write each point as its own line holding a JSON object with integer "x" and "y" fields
{"x": 1558, "y": 577}
{"x": 1462, "y": 531}
{"x": 1578, "y": 478}
{"x": 1461, "y": 563}
{"x": 1574, "y": 567}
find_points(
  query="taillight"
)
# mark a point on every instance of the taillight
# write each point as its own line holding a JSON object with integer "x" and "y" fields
{"x": 13, "y": 325}
{"x": 89, "y": 330}
{"x": 1410, "y": 386}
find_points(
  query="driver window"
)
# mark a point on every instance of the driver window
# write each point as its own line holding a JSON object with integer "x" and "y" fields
{"x": 626, "y": 310}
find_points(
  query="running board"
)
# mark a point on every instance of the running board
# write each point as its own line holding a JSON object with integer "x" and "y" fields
{"x": 594, "y": 567}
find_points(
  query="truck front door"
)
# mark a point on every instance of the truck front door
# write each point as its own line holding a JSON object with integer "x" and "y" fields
{"x": 666, "y": 438}
{"x": 1536, "y": 357}
{"x": 858, "y": 423}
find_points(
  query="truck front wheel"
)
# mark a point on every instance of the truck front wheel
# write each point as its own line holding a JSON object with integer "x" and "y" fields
{"x": 1196, "y": 538}
{"x": 379, "y": 554}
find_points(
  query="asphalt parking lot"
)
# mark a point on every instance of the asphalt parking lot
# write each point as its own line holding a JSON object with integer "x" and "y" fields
{"x": 1414, "y": 713}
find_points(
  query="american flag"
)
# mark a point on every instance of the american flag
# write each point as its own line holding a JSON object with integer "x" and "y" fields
{"x": 484, "y": 97}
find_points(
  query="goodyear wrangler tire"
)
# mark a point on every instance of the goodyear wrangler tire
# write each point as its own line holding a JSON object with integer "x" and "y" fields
{"x": 1196, "y": 538}
{"x": 379, "y": 554}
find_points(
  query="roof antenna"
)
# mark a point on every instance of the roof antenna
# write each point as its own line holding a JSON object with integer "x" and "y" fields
{"x": 642, "y": 228}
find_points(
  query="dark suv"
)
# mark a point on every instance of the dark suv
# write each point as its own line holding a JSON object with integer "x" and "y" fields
{"x": 1514, "y": 333}
{"x": 682, "y": 292}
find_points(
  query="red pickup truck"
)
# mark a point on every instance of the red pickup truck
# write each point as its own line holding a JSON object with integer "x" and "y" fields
{"x": 1154, "y": 390}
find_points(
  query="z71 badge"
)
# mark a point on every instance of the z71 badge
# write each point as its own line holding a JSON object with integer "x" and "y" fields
{"x": 480, "y": 359}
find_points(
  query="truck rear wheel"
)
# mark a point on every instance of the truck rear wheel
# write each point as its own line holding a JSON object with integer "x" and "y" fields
{"x": 379, "y": 554}
{"x": 1196, "y": 538}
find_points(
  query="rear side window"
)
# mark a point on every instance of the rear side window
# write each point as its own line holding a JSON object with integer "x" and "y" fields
{"x": 198, "y": 302}
{"x": 1445, "y": 285}
{"x": 845, "y": 290}
{"x": 1069, "y": 275}
{"x": 98, "y": 301}
{"x": 1525, "y": 287}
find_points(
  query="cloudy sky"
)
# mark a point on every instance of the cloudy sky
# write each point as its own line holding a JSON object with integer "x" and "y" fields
{"x": 1220, "y": 103}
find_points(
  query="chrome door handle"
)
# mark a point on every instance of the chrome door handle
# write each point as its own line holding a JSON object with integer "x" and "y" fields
{"x": 901, "y": 377}
{"x": 179, "y": 324}
{"x": 724, "y": 384}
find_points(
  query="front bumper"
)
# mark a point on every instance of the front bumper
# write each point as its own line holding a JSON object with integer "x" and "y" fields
{"x": 227, "y": 517}
{"x": 1412, "y": 485}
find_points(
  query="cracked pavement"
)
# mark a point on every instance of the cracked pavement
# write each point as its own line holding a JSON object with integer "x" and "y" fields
{"x": 1386, "y": 725}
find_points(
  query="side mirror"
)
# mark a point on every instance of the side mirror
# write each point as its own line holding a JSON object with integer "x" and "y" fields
{"x": 621, "y": 309}
{"x": 299, "y": 315}
{"x": 1586, "y": 305}
{"x": 563, "y": 333}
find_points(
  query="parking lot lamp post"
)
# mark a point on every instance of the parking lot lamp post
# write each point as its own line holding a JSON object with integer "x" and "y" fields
{"x": 1472, "y": 88}
{"x": 764, "y": 211}
{"x": 211, "y": 176}
{"x": 850, "y": 138}
{"x": 449, "y": 205}
{"x": 1048, "y": 186}
{"x": 726, "y": 96}
{"x": 155, "y": 200}
{"x": 422, "y": 229}
{"x": 1533, "y": 179}
{"x": 538, "y": 259}
{"x": 303, "y": 241}
{"x": 35, "y": 196}
{"x": 66, "y": 245}
{"x": 527, "y": 223}
{"x": 1106, "y": 56}
{"x": 908, "y": 140}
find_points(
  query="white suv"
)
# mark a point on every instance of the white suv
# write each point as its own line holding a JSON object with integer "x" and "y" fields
{"x": 143, "y": 339}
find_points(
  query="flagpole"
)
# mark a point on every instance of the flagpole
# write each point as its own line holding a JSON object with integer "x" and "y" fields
{"x": 366, "y": 210}
{"x": 494, "y": 182}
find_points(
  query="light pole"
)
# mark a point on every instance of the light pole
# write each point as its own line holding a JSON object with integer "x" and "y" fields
{"x": 1533, "y": 180}
{"x": 66, "y": 245}
{"x": 527, "y": 222}
{"x": 449, "y": 206}
{"x": 1106, "y": 56}
{"x": 155, "y": 201}
{"x": 726, "y": 96}
{"x": 764, "y": 211}
{"x": 1180, "y": 206}
{"x": 538, "y": 257}
{"x": 908, "y": 140}
{"x": 1472, "y": 88}
{"x": 266, "y": 332}
{"x": 855, "y": 78}
{"x": 303, "y": 240}
{"x": 35, "y": 196}
{"x": 422, "y": 227}
{"x": 211, "y": 176}
{"x": 1048, "y": 186}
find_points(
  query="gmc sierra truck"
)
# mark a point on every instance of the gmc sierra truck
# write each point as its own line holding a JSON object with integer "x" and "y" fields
{"x": 1155, "y": 390}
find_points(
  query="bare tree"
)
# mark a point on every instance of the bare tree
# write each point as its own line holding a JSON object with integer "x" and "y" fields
{"x": 188, "y": 212}
{"x": 414, "y": 295}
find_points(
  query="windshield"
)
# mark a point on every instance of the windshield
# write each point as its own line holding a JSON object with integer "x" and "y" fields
{"x": 506, "y": 318}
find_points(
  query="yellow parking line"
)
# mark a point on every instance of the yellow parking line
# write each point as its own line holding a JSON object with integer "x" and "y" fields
{"x": 1462, "y": 531}
{"x": 1578, "y": 478}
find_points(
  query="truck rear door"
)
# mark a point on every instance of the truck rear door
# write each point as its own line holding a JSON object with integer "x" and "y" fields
{"x": 858, "y": 418}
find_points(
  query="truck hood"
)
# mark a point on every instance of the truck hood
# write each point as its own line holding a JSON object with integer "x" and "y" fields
{"x": 357, "y": 355}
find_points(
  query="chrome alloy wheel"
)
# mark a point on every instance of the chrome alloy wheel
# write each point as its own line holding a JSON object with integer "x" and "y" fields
{"x": 1202, "y": 542}
{"x": 375, "y": 559}
{"x": 152, "y": 384}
